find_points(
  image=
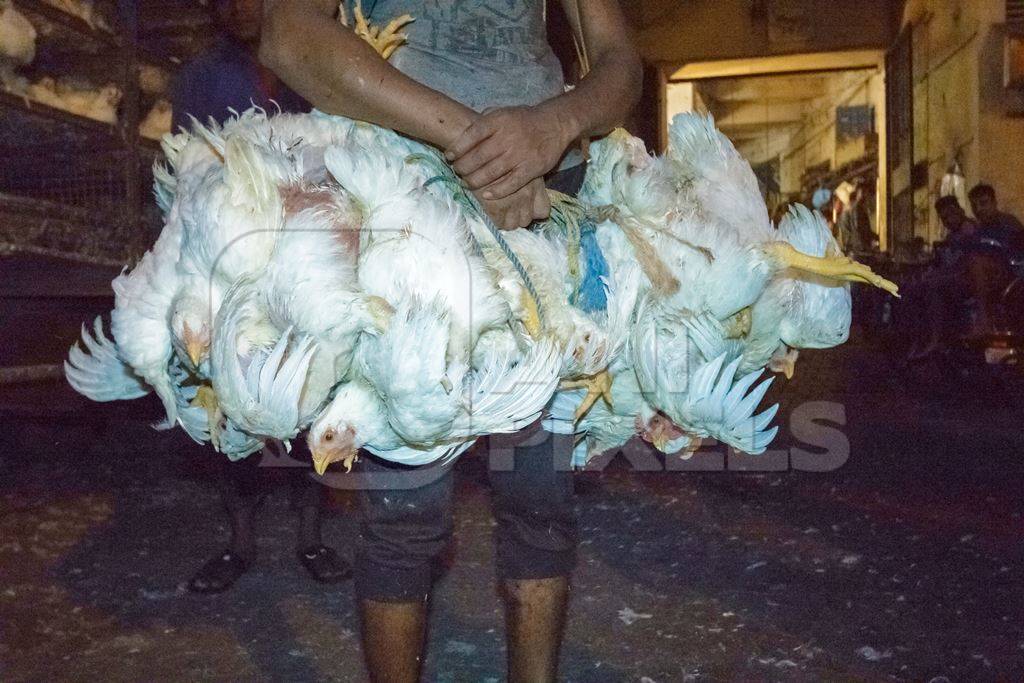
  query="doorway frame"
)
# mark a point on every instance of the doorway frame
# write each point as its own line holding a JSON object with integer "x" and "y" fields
{"x": 811, "y": 62}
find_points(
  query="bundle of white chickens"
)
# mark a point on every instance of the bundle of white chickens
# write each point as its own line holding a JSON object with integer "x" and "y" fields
{"x": 323, "y": 275}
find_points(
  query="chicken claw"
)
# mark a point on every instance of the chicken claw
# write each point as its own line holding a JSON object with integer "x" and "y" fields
{"x": 738, "y": 326}
{"x": 835, "y": 267}
{"x": 206, "y": 399}
{"x": 597, "y": 386}
{"x": 383, "y": 40}
{"x": 380, "y": 311}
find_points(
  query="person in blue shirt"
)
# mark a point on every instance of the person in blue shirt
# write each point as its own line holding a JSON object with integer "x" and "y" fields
{"x": 998, "y": 227}
{"x": 229, "y": 76}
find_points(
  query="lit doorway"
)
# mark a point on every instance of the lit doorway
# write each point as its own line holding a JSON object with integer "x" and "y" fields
{"x": 811, "y": 126}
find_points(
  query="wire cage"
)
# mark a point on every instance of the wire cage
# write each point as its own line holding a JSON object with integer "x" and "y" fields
{"x": 72, "y": 186}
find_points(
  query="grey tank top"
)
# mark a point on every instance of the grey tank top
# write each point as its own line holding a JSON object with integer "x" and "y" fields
{"x": 482, "y": 53}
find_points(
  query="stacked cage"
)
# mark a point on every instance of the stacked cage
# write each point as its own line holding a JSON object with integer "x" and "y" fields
{"x": 76, "y": 144}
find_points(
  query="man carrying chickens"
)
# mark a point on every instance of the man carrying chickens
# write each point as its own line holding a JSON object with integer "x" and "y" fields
{"x": 477, "y": 79}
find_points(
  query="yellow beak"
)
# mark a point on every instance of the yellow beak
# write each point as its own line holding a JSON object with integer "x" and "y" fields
{"x": 320, "y": 462}
{"x": 195, "y": 351}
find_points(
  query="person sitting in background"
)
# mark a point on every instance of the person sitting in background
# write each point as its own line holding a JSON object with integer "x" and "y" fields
{"x": 1001, "y": 228}
{"x": 960, "y": 229}
{"x": 940, "y": 291}
{"x": 228, "y": 75}
{"x": 968, "y": 274}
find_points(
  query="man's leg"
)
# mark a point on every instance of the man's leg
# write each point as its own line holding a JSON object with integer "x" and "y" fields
{"x": 536, "y": 548}
{"x": 986, "y": 276}
{"x": 406, "y": 525}
{"x": 321, "y": 561}
{"x": 241, "y": 489}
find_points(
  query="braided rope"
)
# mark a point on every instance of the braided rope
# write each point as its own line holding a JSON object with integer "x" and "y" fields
{"x": 568, "y": 214}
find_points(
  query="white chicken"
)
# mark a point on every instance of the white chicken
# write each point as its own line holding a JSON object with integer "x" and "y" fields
{"x": 230, "y": 215}
{"x": 798, "y": 310}
{"x": 318, "y": 271}
{"x": 696, "y": 222}
{"x": 609, "y": 425}
{"x": 702, "y": 397}
{"x": 412, "y": 404}
{"x": 309, "y": 286}
{"x": 417, "y": 242}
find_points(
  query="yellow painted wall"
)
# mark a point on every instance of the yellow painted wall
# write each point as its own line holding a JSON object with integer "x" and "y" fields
{"x": 961, "y": 110}
{"x": 1001, "y": 126}
{"x": 816, "y": 141}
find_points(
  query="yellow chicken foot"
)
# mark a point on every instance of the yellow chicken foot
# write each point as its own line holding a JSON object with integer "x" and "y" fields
{"x": 834, "y": 267}
{"x": 738, "y": 326}
{"x": 383, "y": 40}
{"x": 350, "y": 460}
{"x": 381, "y": 312}
{"x": 207, "y": 400}
{"x": 597, "y": 386}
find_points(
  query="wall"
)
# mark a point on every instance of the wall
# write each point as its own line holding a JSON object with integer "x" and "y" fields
{"x": 671, "y": 32}
{"x": 680, "y": 97}
{"x": 816, "y": 143}
{"x": 961, "y": 110}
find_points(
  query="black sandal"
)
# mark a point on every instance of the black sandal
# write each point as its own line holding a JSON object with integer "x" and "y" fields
{"x": 324, "y": 565}
{"x": 219, "y": 573}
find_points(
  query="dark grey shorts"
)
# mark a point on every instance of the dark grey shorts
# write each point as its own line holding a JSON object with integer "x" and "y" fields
{"x": 405, "y": 530}
{"x": 406, "y": 527}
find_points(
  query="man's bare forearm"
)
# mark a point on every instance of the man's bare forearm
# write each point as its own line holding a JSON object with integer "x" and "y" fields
{"x": 339, "y": 73}
{"x": 602, "y": 100}
{"x": 604, "y": 97}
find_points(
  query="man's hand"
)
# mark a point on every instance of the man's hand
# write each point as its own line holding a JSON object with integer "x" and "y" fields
{"x": 527, "y": 204}
{"x": 504, "y": 149}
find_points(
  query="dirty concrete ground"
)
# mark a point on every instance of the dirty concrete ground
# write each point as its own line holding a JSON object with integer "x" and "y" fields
{"x": 904, "y": 563}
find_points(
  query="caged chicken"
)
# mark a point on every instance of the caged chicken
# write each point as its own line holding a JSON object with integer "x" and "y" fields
{"x": 17, "y": 36}
{"x": 78, "y": 98}
{"x": 158, "y": 121}
{"x": 316, "y": 272}
{"x": 17, "y": 46}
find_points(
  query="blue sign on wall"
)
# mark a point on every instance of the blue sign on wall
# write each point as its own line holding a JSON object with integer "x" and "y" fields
{"x": 854, "y": 121}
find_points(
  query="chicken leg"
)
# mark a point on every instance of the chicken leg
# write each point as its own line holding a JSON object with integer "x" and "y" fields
{"x": 383, "y": 40}
{"x": 835, "y": 267}
{"x": 598, "y": 386}
{"x": 380, "y": 311}
{"x": 531, "y": 315}
{"x": 206, "y": 399}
